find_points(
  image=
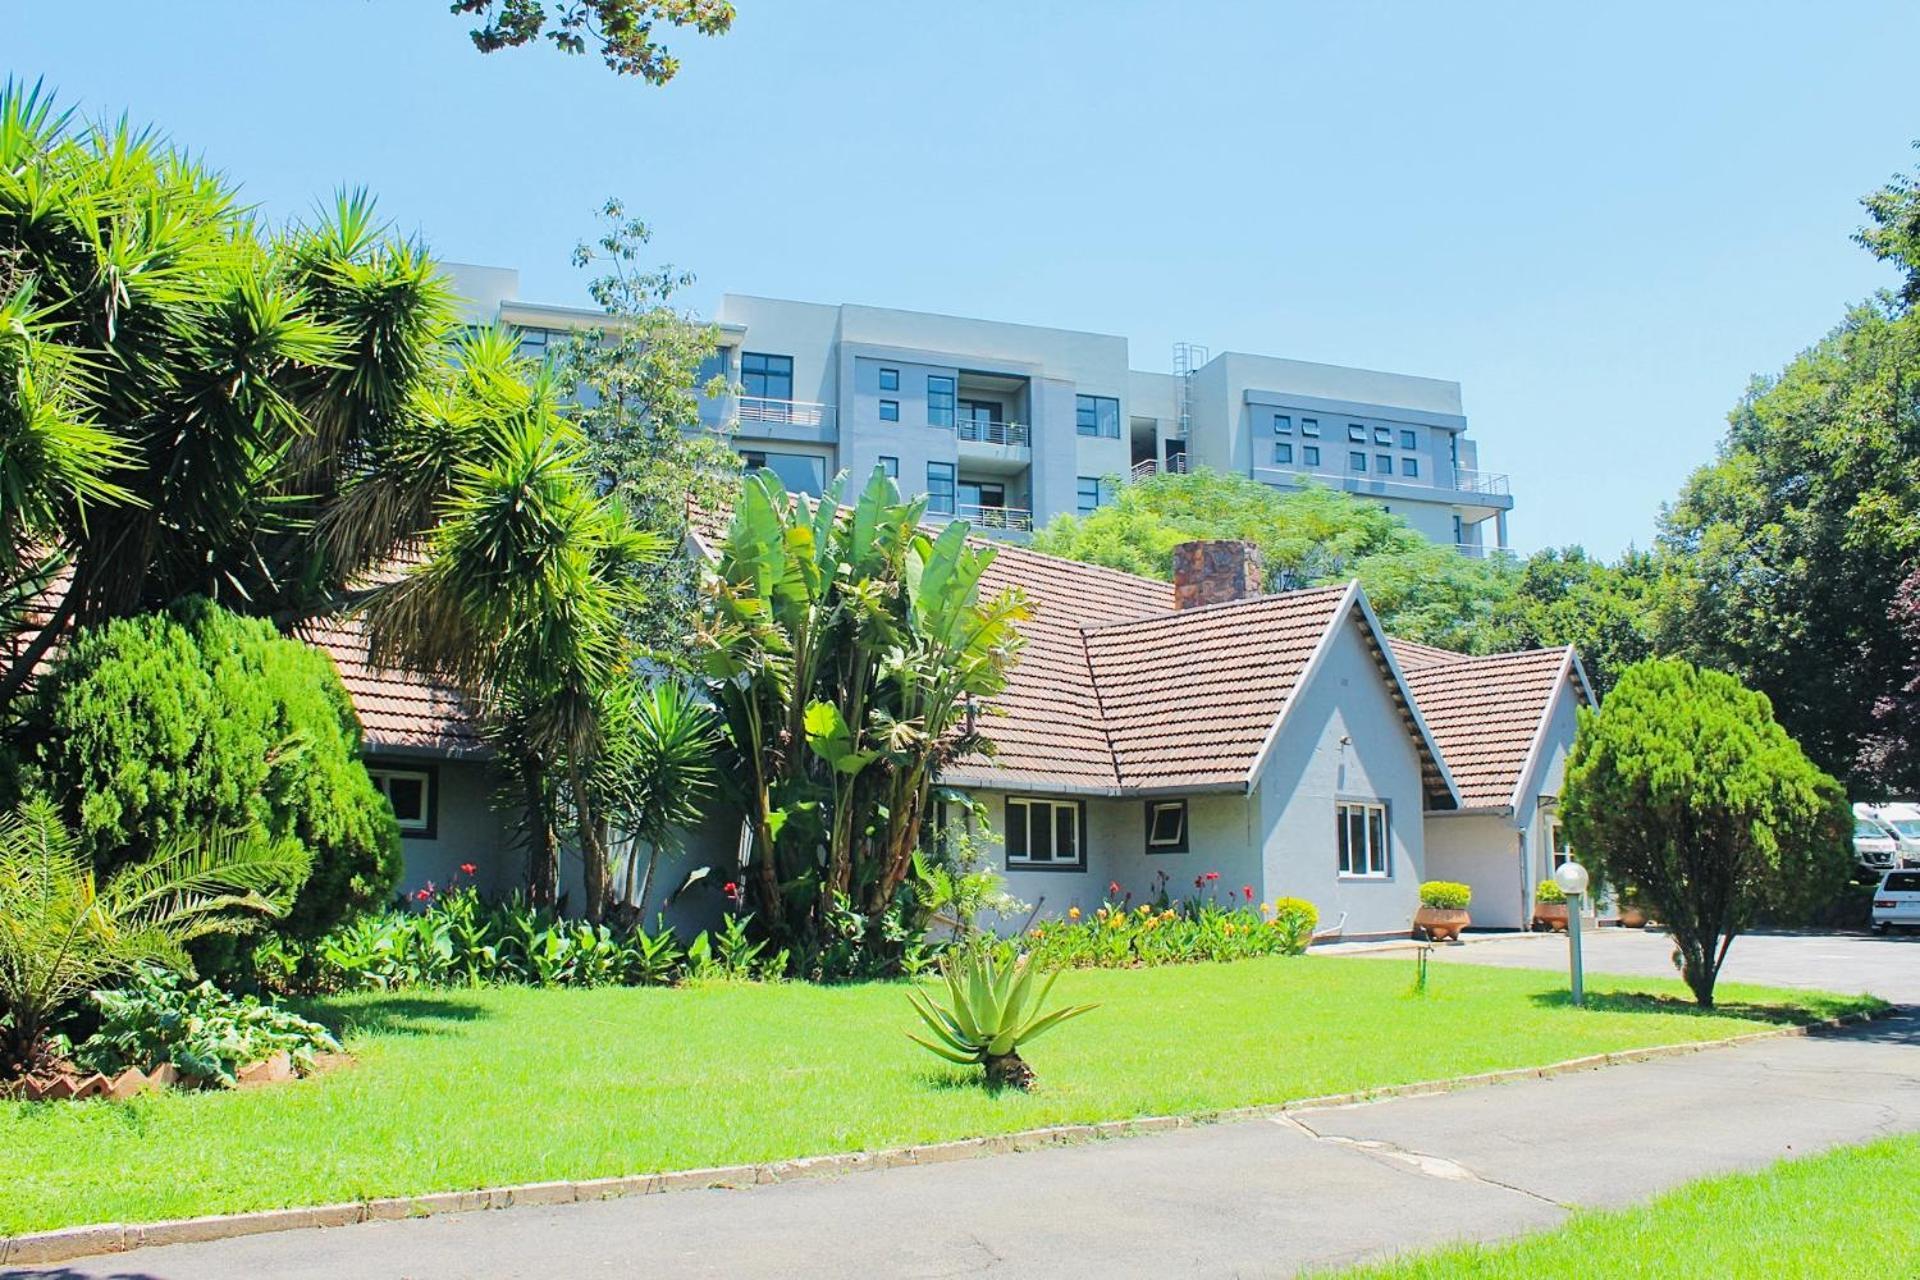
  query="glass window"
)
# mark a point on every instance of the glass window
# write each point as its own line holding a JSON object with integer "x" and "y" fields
{"x": 1409, "y": 466}
{"x": 799, "y": 472}
{"x": 1383, "y": 463}
{"x": 1356, "y": 433}
{"x": 1310, "y": 427}
{"x": 1562, "y": 851}
{"x": 1167, "y": 826}
{"x": 889, "y": 379}
{"x": 891, "y": 466}
{"x": 1088, "y": 495}
{"x": 1361, "y": 829}
{"x": 939, "y": 400}
{"x": 1356, "y": 461}
{"x": 766, "y": 377}
{"x": 1383, "y": 435}
{"x": 1043, "y": 833}
{"x": 411, "y": 792}
{"x": 1409, "y": 440}
{"x": 1310, "y": 455}
{"x": 1282, "y": 452}
{"x": 889, "y": 411}
{"x": 1282, "y": 424}
{"x": 716, "y": 365}
{"x": 1097, "y": 416}
{"x": 940, "y": 487}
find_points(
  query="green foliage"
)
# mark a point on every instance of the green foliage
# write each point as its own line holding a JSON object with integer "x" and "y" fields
{"x": 65, "y": 930}
{"x": 655, "y": 776}
{"x": 1612, "y": 614}
{"x": 1445, "y": 895}
{"x": 993, "y": 1011}
{"x": 1683, "y": 785}
{"x": 1549, "y": 892}
{"x": 1119, "y": 935}
{"x": 155, "y": 727}
{"x": 204, "y": 1032}
{"x": 1895, "y": 234}
{"x": 622, "y": 29}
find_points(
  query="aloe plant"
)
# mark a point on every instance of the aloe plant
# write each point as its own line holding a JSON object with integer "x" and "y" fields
{"x": 994, "y": 1012}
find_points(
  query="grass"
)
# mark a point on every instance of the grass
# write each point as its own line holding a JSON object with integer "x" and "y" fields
{"x": 1849, "y": 1213}
{"x": 472, "y": 1088}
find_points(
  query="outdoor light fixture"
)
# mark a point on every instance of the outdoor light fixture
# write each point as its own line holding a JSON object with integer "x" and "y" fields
{"x": 1572, "y": 879}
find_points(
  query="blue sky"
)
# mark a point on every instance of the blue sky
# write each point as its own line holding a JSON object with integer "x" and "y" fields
{"x": 1601, "y": 220}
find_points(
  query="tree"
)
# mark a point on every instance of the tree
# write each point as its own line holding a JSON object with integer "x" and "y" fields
{"x": 845, "y": 649}
{"x": 1895, "y": 234}
{"x": 622, "y": 29}
{"x": 1890, "y": 754}
{"x": 656, "y": 776}
{"x": 64, "y": 929}
{"x": 1684, "y": 787}
{"x": 1610, "y": 613}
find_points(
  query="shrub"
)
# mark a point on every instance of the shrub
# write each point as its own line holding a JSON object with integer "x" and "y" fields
{"x": 1548, "y": 891}
{"x": 204, "y": 1032}
{"x": 994, "y": 1012}
{"x": 202, "y": 720}
{"x": 1445, "y": 895}
{"x": 1119, "y": 936}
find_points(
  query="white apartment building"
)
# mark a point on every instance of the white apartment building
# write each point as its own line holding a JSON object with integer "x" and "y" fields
{"x": 1009, "y": 425}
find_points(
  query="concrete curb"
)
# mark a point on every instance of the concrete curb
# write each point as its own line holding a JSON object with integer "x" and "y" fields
{"x": 103, "y": 1238}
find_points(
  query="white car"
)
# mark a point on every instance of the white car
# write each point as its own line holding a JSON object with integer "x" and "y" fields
{"x": 1902, "y": 818}
{"x": 1874, "y": 847}
{"x": 1896, "y": 903}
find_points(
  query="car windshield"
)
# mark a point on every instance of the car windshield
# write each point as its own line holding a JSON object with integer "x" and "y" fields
{"x": 1902, "y": 882}
{"x": 1864, "y": 830}
{"x": 1908, "y": 827}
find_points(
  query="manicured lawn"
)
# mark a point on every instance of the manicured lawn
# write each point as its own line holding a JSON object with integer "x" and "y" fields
{"x": 471, "y": 1088}
{"x": 1851, "y": 1213}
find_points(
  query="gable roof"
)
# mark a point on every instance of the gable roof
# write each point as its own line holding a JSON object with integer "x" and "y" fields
{"x": 399, "y": 710}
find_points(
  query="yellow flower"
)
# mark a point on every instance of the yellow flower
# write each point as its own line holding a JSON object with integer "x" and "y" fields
{"x": 1073, "y": 913}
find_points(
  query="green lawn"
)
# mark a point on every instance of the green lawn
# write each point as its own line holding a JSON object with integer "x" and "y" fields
{"x": 471, "y": 1088}
{"x": 1854, "y": 1212}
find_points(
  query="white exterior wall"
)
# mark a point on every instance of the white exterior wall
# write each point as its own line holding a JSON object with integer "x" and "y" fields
{"x": 469, "y": 829}
{"x": 1484, "y": 852}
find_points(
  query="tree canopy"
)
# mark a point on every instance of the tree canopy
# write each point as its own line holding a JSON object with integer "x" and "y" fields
{"x": 621, "y": 31}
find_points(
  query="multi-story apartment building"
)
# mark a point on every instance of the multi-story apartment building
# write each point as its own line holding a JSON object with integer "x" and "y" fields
{"x": 1009, "y": 425}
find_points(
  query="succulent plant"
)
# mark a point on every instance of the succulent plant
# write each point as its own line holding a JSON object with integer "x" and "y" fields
{"x": 994, "y": 1011}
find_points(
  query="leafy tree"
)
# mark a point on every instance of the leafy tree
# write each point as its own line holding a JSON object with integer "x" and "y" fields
{"x": 1684, "y": 786}
{"x": 621, "y": 29}
{"x": 1890, "y": 753}
{"x": 1610, "y": 613}
{"x": 64, "y": 929}
{"x": 1895, "y": 234}
{"x": 845, "y": 648}
{"x": 656, "y": 777}
{"x": 153, "y": 728}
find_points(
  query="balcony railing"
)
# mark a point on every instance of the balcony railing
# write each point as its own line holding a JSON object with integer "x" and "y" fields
{"x": 1147, "y": 468}
{"x": 996, "y": 517}
{"x": 1480, "y": 551}
{"x": 796, "y": 413}
{"x": 1492, "y": 482}
{"x": 1015, "y": 433}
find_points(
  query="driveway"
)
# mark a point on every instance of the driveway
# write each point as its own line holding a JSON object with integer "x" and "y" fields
{"x": 1257, "y": 1198}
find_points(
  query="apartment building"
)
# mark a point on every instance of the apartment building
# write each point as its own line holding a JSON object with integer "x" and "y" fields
{"x": 1008, "y": 425}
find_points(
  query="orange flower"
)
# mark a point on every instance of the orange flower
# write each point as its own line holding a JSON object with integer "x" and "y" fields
{"x": 1073, "y": 913}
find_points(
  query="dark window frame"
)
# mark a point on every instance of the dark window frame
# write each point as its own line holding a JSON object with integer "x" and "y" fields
{"x": 1283, "y": 453}
{"x": 952, "y": 482}
{"x": 1356, "y": 434}
{"x": 1310, "y": 427}
{"x": 1021, "y": 862}
{"x": 1357, "y": 461}
{"x": 940, "y": 399}
{"x": 1090, "y": 418}
{"x": 1309, "y": 455}
{"x": 1081, "y": 485}
{"x": 763, "y": 374}
{"x": 1409, "y": 439}
{"x": 890, "y": 465}
{"x": 1410, "y": 467}
{"x": 889, "y": 379}
{"x": 889, "y": 411}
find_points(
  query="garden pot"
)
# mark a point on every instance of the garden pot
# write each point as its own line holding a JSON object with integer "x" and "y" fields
{"x": 1550, "y": 915}
{"x": 1441, "y": 923}
{"x": 1632, "y": 918}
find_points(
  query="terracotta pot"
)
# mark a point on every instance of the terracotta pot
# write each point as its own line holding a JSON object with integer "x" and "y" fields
{"x": 1632, "y": 918}
{"x": 1550, "y": 915}
{"x": 1441, "y": 923}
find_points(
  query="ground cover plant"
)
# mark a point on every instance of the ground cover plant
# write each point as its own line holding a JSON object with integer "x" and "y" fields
{"x": 1207, "y": 926}
{"x": 200, "y": 1030}
{"x": 472, "y": 1087}
{"x": 1851, "y": 1212}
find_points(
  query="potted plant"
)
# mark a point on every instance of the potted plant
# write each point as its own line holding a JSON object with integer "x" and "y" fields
{"x": 1633, "y": 911}
{"x": 1443, "y": 910}
{"x": 1549, "y": 906}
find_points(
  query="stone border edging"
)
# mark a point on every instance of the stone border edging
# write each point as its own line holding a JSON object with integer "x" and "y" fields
{"x": 68, "y": 1243}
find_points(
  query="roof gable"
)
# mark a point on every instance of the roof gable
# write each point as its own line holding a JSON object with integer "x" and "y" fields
{"x": 1488, "y": 714}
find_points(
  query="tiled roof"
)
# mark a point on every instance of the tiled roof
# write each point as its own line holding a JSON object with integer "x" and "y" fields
{"x": 399, "y": 711}
{"x": 1484, "y": 712}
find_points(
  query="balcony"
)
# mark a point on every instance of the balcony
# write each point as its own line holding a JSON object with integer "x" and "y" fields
{"x": 1492, "y": 483}
{"x": 975, "y": 431}
{"x": 980, "y": 517}
{"x": 1480, "y": 551}
{"x": 797, "y": 413}
{"x": 1147, "y": 468}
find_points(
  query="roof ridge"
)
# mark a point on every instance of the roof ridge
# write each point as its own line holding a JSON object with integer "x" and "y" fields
{"x": 1025, "y": 550}
{"x": 1218, "y": 606}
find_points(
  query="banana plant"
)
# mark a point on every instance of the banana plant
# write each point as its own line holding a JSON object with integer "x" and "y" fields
{"x": 993, "y": 1012}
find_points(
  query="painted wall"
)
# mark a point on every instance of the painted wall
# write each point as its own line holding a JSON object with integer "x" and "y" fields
{"x": 1484, "y": 852}
{"x": 469, "y": 830}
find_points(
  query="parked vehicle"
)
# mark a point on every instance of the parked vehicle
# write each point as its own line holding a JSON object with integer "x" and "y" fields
{"x": 1896, "y": 903}
{"x": 1902, "y": 818}
{"x": 1875, "y": 848}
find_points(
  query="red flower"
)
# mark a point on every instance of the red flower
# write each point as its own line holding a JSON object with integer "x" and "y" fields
{"x": 1212, "y": 876}
{"x": 1199, "y": 882}
{"x": 467, "y": 868}
{"x": 729, "y": 888}
{"x": 1248, "y": 890}
{"x": 1113, "y": 887}
{"x": 421, "y": 895}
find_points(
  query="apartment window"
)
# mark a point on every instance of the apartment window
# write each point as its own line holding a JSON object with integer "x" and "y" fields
{"x": 1383, "y": 463}
{"x": 982, "y": 495}
{"x": 1166, "y": 826}
{"x": 1310, "y": 427}
{"x": 799, "y": 472}
{"x": 1410, "y": 466}
{"x": 1383, "y": 435}
{"x": 1356, "y": 461}
{"x": 1282, "y": 452}
{"x": 1310, "y": 455}
{"x": 1044, "y": 834}
{"x": 1409, "y": 440}
{"x": 766, "y": 377}
{"x": 939, "y": 400}
{"x": 1356, "y": 433}
{"x": 1363, "y": 838}
{"x": 1459, "y": 533}
{"x": 1097, "y": 416}
{"x": 1282, "y": 425}
{"x": 1087, "y": 495}
{"x": 891, "y": 466}
{"x": 889, "y": 411}
{"x": 889, "y": 379}
{"x": 940, "y": 487}
{"x": 415, "y": 797}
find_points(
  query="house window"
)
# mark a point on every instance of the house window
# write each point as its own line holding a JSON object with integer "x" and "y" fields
{"x": 1282, "y": 424}
{"x": 889, "y": 411}
{"x": 1363, "y": 838}
{"x": 1409, "y": 440}
{"x": 1561, "y": 853}
{"x": 1087, "y": 495}
{"x": 1097, "y": 416}
{"x": 940, "y": 487}
{"x": 1409, "y": 466}
{"x": 1310, "y": 427}
{"x": 1383, "y": 463}
{"x": 891, "y": 466}
{"x": 1383, "y": 435}
{"x": 415, "y": 797}
{"x": 798, "y": 472}
{"x": 939, "y": 400}
{"x": 1282, "y": 451}
{"x": 1166, "y": 826}
{"x": 1310, "y": 454}
{"x": 1044, "y": 833}
{"x": 889, "y": 379}
{"x": 1356, "y": 461}
{"x": 766, "y": 377}
{"x": 1356, "y": 433}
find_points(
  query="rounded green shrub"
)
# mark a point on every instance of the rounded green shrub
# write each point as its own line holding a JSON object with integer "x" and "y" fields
{"x": 1445, "y": 895}
{"x": 162, "y": 724}
{"x": 1549, "y": 891}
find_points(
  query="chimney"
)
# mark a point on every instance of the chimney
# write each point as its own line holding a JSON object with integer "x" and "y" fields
{"x": 1215, "y": 572}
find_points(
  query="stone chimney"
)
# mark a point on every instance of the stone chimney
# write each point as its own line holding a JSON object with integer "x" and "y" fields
{"x": 1216, "y": 572}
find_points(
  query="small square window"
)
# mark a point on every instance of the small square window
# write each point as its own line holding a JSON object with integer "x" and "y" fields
{"x": 1282, "y": 452}
{"x": 889, "y": 379}
{"x": 1383, "y": 463}
{"x": 1356, "y": 461}
{"x": 1166, "y": 826}
{"x": 1409, "y": 466}
{"x": 1383, "y": 435}
{"x": 889, "y": 411}
{"x": 1409, "y": 440}
{"x": 891, "y": 466}
{"x": 1087, "y": 495}
{"x": 1310, "y": 455}
{"x": 1310, "y": 427}
{"x": 1282, "y": 425}
{"x": 1356, "y": 433}
{"x": 411, "y": 792}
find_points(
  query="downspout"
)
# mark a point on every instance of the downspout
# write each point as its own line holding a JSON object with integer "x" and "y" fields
{"x": 1526, "y": 876}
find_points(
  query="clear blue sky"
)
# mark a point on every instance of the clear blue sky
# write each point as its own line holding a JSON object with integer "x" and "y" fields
{"x": 1600, "y": 219}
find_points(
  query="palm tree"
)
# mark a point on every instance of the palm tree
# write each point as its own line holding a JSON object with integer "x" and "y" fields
{"x": 657, "y": 773}
{"x": 63, "y": 932}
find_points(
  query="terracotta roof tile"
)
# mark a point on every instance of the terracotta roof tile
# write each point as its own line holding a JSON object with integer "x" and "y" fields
{"x": 399, "y": 710}
{"x": 1485, "y": 713}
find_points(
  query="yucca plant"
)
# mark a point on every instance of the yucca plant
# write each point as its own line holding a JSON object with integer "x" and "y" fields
{"x": 994, "y": 1012}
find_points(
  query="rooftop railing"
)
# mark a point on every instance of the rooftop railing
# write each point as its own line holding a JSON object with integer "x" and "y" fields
{"x": 1011, "y": 433}
{"x": 1492, "y": 482}
{"x": 996, "y": 517}
{"x": 796, "y": 413}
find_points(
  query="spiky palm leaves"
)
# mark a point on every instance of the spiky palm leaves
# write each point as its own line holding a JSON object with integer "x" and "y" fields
{"x": 63, "y": 932}
{"x": 993, "y": 1011}
{"x": 657, "y": 772}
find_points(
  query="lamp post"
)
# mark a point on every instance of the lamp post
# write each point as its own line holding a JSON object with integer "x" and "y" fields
{"x": 1572, "y": 879}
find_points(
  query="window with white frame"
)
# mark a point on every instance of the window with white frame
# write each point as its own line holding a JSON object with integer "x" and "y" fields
{"x": 1044, "y": 834}
{"x": 413, "y": 795}
{"x": 1562, "y": 852}
{"x": 1166, "y": 826}
{"x": 1363, "y": 839}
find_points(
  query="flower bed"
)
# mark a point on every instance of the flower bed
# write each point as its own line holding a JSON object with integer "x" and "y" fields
{"x": 1122, "y": 935}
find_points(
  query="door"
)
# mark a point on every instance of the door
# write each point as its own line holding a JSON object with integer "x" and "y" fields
{"x": 1175, "y": 448}
{"x": 978, "y": 418}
